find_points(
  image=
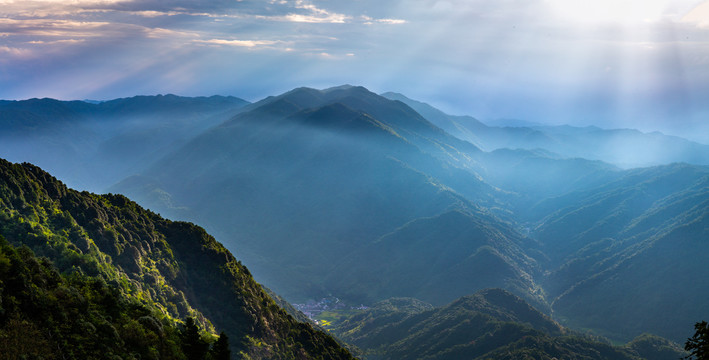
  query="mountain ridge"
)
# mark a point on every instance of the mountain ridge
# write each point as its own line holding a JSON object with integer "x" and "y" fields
{"x": 490, "y": 324}
{"x": 614, "y": 146}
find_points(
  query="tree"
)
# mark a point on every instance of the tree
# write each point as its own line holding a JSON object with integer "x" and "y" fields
{"x": 194, "y": 347}
{"x": 22, "y": 339}
{"x": 220, "y": 348}
{"x": 698, "y": 345}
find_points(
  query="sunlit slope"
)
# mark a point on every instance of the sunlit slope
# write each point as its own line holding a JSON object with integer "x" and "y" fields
{"x": 491, "y": 324}
{"x": 45, "y": 315}
{"x": 93, "y": 145}
{"x": 308, "y": 179}
{"x": 175, "y": 268}
{"x": 630, "y": 256}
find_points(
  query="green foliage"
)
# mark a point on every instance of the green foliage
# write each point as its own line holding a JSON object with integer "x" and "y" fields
{"x": 652, "y": 347}
{"x": 220, "y": 348}
{"x": 163, "y": 269}
{"x": 49, "y": 315}
{"x": 698, "y": 344}
{"x": 193, "y": 345}
{"x": 635, "y": 238}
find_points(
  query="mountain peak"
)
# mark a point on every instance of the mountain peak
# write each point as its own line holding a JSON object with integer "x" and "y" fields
{"x": 340, "y": 87}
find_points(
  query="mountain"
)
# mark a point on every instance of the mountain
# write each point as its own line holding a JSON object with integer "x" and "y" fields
{"x": 512, "y": 123}
{"x": 316, "y": 179}
{"x": 344, "y": 193}
{"x": 463, "y": 127}
{"x": 609, "y": 236}
{"x": 533, "y": 176}
{"x": 362, "y": 198}
{"x": 614, "y": 146}
{"x": 491, "y": 324}
{"x": 438, "y": 258}
{"x": 637, "y": 243}
{"x": 174, "y": 268}
{"x": 93, "y": 145}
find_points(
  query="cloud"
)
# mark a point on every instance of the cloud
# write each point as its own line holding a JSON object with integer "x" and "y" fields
{"x": 699, "y": 15}
{"x": 53, "y": 27}
{"x": 239, "y": 43}
{"x": 66, "y": 41}
{"x": 370, "y": 21}
{"x": 48, "y": 30}
{"x": 15, "y": 52}
{"x": 317, "y": 18}
{"x": 154, "y": 14}
{"x": 391, "y": 21}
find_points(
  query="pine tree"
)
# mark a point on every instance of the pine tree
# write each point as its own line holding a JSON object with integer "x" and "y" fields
{"x": 194, "y": 347}
{"x": 220, "y": 348}
{"x": 698, "y": 345}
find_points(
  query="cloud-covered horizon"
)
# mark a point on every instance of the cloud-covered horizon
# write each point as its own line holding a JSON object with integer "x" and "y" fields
{"x": 621, "y": 63}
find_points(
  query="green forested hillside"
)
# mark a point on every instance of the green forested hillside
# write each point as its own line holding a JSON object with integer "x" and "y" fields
{"x": 491, "y": 324}
{"x": 637, "y": 243}
{"x": 173, "y": 267}
{"x": 436, "y": 259}
{"x": 49, "y": 315}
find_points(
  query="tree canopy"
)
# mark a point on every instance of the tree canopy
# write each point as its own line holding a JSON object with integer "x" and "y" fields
{"x": 698, "y": 345}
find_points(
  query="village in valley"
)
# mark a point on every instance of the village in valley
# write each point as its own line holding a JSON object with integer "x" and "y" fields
{"x": 313, "y": 309}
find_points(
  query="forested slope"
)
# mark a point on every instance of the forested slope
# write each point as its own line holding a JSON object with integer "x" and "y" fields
{"x": 173, "y": 267}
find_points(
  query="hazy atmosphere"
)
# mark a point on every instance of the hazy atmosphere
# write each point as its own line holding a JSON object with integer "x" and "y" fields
{"x": 341, "y": 180}
{"x": 626, "y": 63}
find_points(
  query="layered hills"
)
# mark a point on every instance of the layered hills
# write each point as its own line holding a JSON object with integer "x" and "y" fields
{"x": 490, "y": 324}
{"x": 93, "y": 145}
{"x": 317, "y": 181}
{"x": 343, "y": 192}
{"x": 174, "y": 270}
{"x": 614, "y": 146}
{"x": 635, "y": 243}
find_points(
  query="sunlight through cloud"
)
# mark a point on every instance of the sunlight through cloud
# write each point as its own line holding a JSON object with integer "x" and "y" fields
{"x": 699, "y": 15}
{"x": 624, "y": 11}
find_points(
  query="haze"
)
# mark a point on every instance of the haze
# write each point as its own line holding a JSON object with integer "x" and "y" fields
{"x": 615, "y": 64}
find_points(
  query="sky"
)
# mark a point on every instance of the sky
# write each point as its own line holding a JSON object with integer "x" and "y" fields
{"x": 610, "y": 63}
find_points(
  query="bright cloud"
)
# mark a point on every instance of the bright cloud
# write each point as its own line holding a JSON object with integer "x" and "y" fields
{"x": 239, "y": 43}
{"x": 609, "y": 10}
{"x": 699, "y": 15}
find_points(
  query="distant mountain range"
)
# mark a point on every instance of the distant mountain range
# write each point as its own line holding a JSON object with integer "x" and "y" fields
{"x": 625, "y": 148}
{"x": 343, "y": 192}
{"x": 94, "y": 145}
